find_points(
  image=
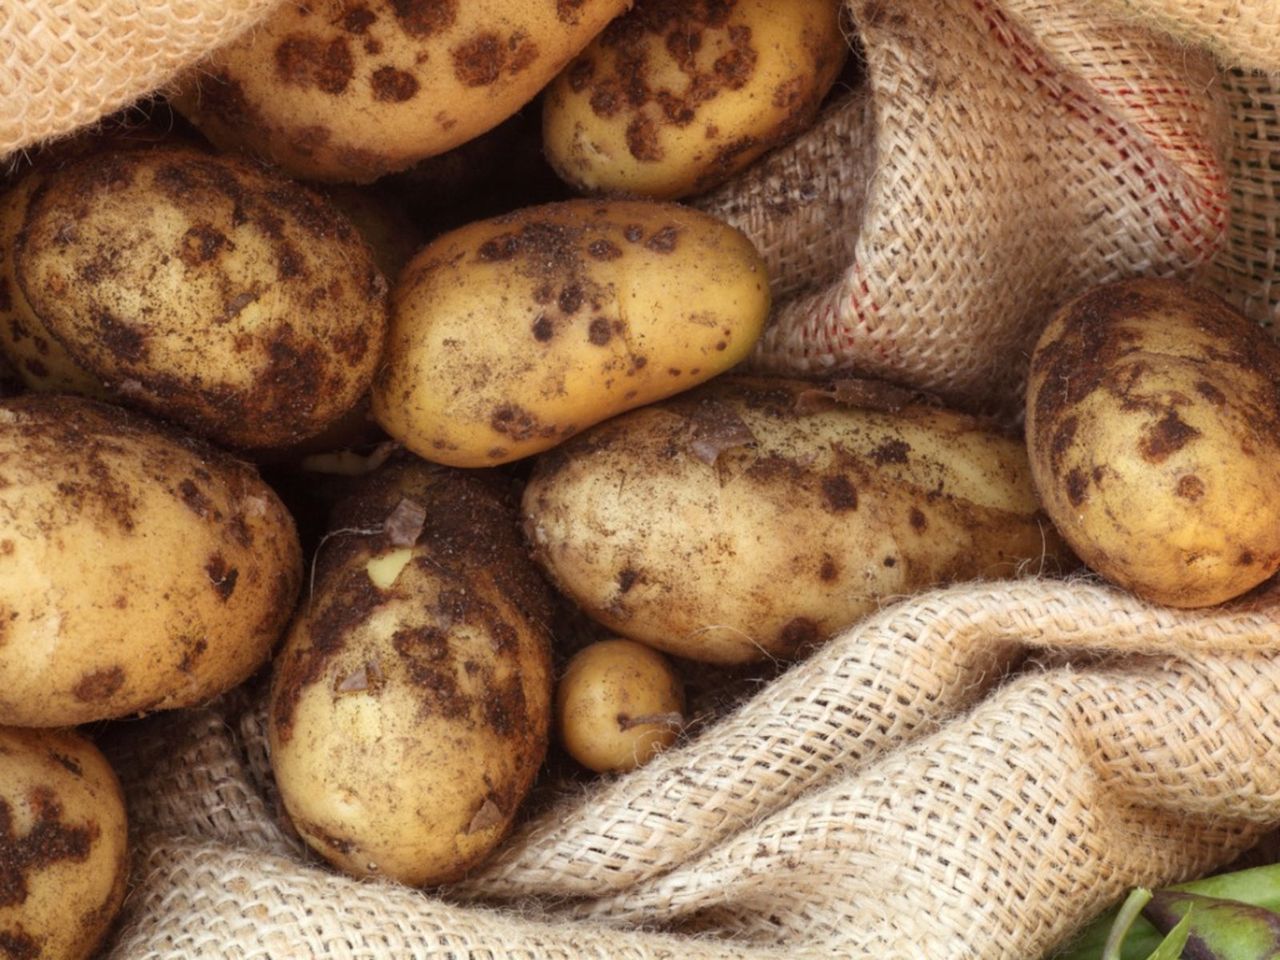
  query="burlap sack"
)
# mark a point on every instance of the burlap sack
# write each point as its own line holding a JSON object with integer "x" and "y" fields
{"x": 890, "y": 797}
{"x": 1018, "y": 153}
{"x": 918, "y": 788}
{"x": 66, "y": 63}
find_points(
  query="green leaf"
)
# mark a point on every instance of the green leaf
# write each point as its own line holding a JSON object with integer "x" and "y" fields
{"x": 1129, "y": 911}
{"x": 1171, "y": 946}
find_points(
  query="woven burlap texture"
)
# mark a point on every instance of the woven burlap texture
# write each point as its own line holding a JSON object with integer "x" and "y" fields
{"x": 1018, "y": 152}
{"x": 893, "y": 796}
{"x": 66, "y": 63}
{"x": 1243, "y": 33}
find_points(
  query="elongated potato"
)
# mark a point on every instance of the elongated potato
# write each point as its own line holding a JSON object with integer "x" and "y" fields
{"x": 1154, "y": 431}
{"x": 756, "y": 517}
{"x": 411, "y": 704}
{"x": 512, "y": 334}
{"x": 64, "y": 855}
{"x": 140, "y": 569}
{"x": 205, "y": 290}
{"x": 677, "y": 96}
{"x": 354, "y": 90}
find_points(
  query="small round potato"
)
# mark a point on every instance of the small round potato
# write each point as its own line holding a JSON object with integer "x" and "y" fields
{"x": 351, "y": 91}
{"x": 64, "y": 855}
{"x": 411, "y": 704}
{"x": 140, "y": 569}
{"x": 678, "y": 95}
{"x": 1154, "y": 435}
{"x": 205, "y": 290}
{"x": 618, "y": 705}
{"x": 510, "y": 335}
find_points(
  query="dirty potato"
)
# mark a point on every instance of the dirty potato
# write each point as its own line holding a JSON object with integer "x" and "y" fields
{"x": 676, "y": 96}
{"x": 10, "y": 383}
{"x": 392, "y": 235}
{"x": 38, "y": 358}
{"x": 618, "y": 705}
{"x": 510, "y": 335}
{"x": 1154, "y": 431}
{"x": 205, "y": 290}
{"x": 139, "y": 569}
{"x": 411, "y": 705}
{"x": 754, "y": 517}
{"x": 63, "y": 845}
{"x": 351, "y": 91}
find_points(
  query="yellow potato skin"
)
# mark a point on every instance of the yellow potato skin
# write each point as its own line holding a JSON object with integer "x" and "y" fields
{"x": 38, "y": 358}
{"x": 1154, "y": 435}
{"x": 753, "y": 518}
{"x": 206, "y": 290}
{"x": 63, "y": 844}
{"x": 510, "y": 335}
{"x": 411, "y": 705}
{"x": 350, "y": 91}
{"x": 618, "y": 704}
{"x": 140, "y": 569}
{"x": 677, "y": 96}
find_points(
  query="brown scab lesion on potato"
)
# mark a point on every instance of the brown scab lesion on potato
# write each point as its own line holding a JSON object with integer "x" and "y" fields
{"x": 514, "y": 421}
{"x": 391, "y": 85}
{"x": 1190, "y": 487}
{"x": 48, "y": 841}
{"x": 479, "y": 60}
{"x": 839, "y": 495}
{"x": 568, "y": 11}
{"x": 99, "y": 684}
{"x": 308, "y": 61}
{"x": 543, "y": 328}
{"x": 423, "y": 18}
{"x": 201, "y": 243}
{"x": 193, "y": 648}
{"x": 1166, "y": 437}
{"x": 222, "y": 576}
{"x": 358, "y": 19}
{"x": 1077, "y": 486}
{"x": 891, "y": 451}
{"x": 642, "y": 140}
{"x": 664, "y": 240}
{"x": 827, "y": 569}
{"x": 599, "y": 331}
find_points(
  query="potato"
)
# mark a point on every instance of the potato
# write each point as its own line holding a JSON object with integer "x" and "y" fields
{"x": 352, "y": 91}
{"x": 392, "y": 236}
{"x": 10, "y": 383}
{"x": 510, "y": 335}
{"x": 205, "y": 290}
{"x": 618, "y": 705}
{"x": 754, "y": 518}
{"x": 139, "y": 569}
{"x": 411, "y": 705}
{"x": 676, "y": 96}
{"x": 38, "y": 357}
{"x": 1154, "y": 434}
{"x": 64, "y": 855}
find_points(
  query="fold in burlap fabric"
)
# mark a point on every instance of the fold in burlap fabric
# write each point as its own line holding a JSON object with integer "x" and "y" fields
{"x": 1018, "y": 153}
{"x": 66, "y": 63}
{"x": 891, "y": 797}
